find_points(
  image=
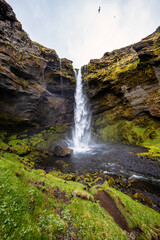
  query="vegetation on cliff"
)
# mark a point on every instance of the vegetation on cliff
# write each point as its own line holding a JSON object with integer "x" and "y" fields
{"x": 124, "y": 91}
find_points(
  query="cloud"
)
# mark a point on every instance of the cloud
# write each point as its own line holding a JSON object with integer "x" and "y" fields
{"x": 76, "y": 30}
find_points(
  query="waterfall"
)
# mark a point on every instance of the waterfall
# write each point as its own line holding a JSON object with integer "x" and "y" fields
{"x": 81, "y": 134}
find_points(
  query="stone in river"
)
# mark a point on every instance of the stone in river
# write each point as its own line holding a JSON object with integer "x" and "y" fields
{"x": 62, "y": 151}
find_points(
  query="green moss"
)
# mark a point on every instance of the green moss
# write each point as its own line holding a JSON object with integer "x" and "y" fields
{"x": 92, "y": 221}
{"x": 46, "y": 138}
{"x": 153, "y": 145}
{"x": 58, "y": 128}
{"x": 35, "y": 56}
{"x": 115, "y": 132}
{"x": 33, "y": 147}
{"x": 20, "y": 147}
{"x": 157, "y": 44}
{"x": 142, "y": 131}
{"x": 8, "y": 119}
{"x": 3, "y": 145}
{"x": 35, "y": 139}
{"x": 21, "y": 81}
{"x": 113, "y": 68}
{"x": 3, "y": 135}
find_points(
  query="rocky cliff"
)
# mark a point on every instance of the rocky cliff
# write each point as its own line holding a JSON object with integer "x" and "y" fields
{"x": 36, "y": 86}
{"x": 124, "y": 91}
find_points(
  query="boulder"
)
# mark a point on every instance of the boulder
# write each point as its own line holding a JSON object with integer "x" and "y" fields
{"x": 61, "y": 151}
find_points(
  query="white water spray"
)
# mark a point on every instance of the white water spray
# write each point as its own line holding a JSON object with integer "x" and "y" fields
{"x": 82, "y": 118}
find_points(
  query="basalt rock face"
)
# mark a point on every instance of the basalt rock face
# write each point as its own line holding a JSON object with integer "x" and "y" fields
{"x": 124, "y": 91}
{"x": 36, "y": 86}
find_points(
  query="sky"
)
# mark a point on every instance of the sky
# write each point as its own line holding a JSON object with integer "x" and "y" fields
{"x": 75, "y": 29}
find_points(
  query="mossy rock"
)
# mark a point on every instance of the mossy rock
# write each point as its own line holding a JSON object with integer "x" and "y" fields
{"x": 111, "y": 181}
{"x": 3, "y": 146}
{"x": 20, "y": 147}
{"x": 144, "y": 131}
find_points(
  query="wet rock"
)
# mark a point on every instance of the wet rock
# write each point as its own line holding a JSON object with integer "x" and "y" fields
{"x": 59, "y": 194}
{"x": 142, "y": 198}
{"x": 111, "y": 181}
{"x": 123, "y": 182}
{"x": 61, "y": 164}
{"x": 148, "y": 200}
{"x": 62, "y": 151}
{"x": 139, "y": 197}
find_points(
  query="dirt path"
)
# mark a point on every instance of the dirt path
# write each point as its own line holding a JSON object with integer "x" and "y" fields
{"x": 109, "y": 205}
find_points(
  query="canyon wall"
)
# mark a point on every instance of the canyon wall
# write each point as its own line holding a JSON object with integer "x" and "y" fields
{"x": 123, "y": 88}
{"x": 36, "y": 87}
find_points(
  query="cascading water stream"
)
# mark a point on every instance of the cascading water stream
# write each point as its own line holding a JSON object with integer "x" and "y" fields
{"x": 81, "y": 134}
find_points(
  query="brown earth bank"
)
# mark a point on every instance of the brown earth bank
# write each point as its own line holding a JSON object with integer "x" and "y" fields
{"x": 109, "y": 205}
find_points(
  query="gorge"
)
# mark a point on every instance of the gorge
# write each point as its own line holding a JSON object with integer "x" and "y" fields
{"x": 81, "y": 196}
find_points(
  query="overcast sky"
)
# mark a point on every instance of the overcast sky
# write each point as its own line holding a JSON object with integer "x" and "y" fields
{"x": 76, "y": 30}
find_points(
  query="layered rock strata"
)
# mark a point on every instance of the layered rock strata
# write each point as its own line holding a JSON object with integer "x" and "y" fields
{"x": 124, "y": 91}
{"x": 36, "y": 86}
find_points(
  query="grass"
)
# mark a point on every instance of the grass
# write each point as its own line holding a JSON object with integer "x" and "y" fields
{"x": 27, "y": 213}
{"x": 92, "y": 221}
{"x": 37, "y": 205}
{"x": 142, "y": 216}
{"x": 15, "y": 208}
